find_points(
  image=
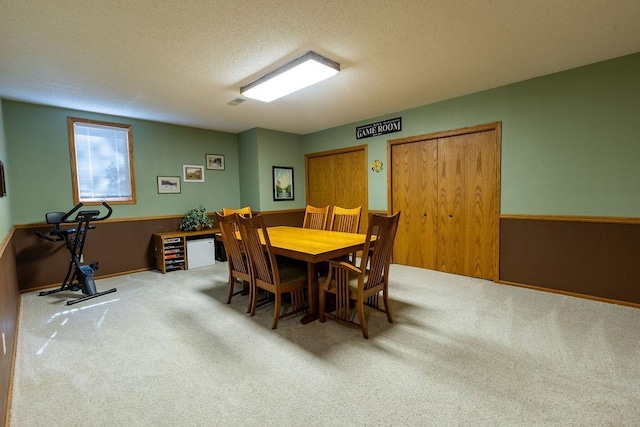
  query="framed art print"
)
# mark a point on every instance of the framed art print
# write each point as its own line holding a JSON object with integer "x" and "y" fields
{"x": 168, "y": 184}
{"x": 215, "y": 162}
{"x": 192, "y": 173}
{"x": 3, "y": 184}
{"x": 282, "y": 183}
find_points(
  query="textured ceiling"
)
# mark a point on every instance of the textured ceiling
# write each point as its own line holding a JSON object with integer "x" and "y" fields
{"x": 183, "y": 61}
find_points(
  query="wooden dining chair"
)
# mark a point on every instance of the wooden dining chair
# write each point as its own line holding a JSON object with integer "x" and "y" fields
{"x": 345, "y": 220}
{"x": 315, "y": 218}
{"x": 246, "y": 211}
{"x": 268, "y": 274}
{"x": 236, "y": 259}
{"x": 350, "y": 283}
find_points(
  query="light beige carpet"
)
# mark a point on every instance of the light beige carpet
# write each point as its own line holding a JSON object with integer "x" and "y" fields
{"x": 166, "y": 350}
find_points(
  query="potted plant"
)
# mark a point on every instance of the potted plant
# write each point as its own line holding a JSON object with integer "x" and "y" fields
{"x": 196, "y": 219}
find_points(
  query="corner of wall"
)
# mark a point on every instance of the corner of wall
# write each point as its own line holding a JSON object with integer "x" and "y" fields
{"x": 6, "y": 217}
{"x": 248, "y": 166}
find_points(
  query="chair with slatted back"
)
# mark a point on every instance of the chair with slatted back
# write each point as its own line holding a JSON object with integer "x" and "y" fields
{"x": 268, "y": 274}
{"x": 315, "y": 218}
{"x": 345, "y": 220}
{"x": 238, "y": 264}
{"x": 361, "y": 284}
{"x": 246, "y": 211}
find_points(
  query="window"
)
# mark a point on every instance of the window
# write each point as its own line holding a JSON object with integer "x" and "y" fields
{"x": 101, "y": 161}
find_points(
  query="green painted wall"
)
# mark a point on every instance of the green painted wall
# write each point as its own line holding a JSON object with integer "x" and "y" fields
{"x": 260, "y": 150}
{"x": 570, "y": 140}
{"x": 280, "y": 149}
{"x": 249, "y": 170}
{"x": 40, "y": 172}
{"x": 570, "y": 146}
{"x": 6, "y": 220}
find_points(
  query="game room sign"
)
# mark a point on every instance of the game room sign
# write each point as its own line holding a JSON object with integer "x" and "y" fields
{"x": 379, "y": 128}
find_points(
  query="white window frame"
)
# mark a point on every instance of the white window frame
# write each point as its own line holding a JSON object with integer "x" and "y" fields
{"x": 97, "y": 198}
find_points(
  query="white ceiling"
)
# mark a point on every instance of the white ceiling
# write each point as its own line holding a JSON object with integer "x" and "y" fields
{"x": 183, "y": 61}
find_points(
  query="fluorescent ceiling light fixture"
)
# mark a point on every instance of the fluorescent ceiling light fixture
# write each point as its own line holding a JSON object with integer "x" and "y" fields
{"x": 304, "y": 71}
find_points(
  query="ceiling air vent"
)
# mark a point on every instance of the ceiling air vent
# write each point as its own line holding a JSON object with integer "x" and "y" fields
{"x": 236, "y": 101}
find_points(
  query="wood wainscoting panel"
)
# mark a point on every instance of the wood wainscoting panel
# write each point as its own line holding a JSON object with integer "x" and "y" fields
{"x": 575, "y": 256}
{"x": 291, "y": 217}
{"x": 9, "y": 309}
{"x": 120, "y": 246}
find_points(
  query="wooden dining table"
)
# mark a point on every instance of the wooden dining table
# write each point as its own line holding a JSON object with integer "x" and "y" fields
{"x": 313, "y": 247}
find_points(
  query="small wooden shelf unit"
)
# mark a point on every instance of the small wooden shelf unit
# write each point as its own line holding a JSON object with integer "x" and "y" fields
{"x": 171, "y": 248}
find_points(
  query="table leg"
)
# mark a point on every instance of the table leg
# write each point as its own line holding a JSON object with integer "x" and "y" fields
{"x": 312, "y": 281}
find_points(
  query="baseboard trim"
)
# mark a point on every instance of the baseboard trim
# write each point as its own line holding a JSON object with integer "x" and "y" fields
{"x": 570, "y": 294}
{"x": 106, "y": 276}
{"x": 570, "y": 218}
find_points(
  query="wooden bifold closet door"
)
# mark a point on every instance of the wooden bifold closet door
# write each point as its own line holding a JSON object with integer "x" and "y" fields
{"x": 338, "y": 178}
{"x": 447, "y": 187}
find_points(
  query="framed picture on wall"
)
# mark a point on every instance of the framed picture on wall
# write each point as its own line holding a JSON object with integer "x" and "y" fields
{"x": 3, "y": 185}
{"x": 168, "y": 184}
{"x": 282, "y": 183}
{"x": 215, "y": 162}
{"x": 193, "y": 173}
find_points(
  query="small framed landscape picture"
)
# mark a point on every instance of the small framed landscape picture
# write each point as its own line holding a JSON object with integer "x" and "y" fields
{"x": 215, "y": 162}
{"x": 3, "y": 185}
{"x": 282, "y": 183}
{"x": 193, "y": 173}
{"x": 168, "y": 184}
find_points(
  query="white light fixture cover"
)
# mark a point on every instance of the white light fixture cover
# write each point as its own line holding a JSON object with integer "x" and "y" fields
{"x": 304, "y": 71}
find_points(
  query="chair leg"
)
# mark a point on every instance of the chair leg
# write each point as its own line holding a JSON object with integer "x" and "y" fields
{"x": 231, "y": 285}
{"x": 321, "y": 306}
{"x": 276, "y": 310}
{"x": 387, "y": 309}
{"x": 254, "y": 299}
{"x": 362, "y": 319}
{"x": 251, "y": 297}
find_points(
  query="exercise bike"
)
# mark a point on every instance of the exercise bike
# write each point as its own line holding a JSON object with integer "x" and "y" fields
{"x": 79, "y": 276}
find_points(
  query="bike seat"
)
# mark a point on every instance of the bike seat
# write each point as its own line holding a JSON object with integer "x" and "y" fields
{"x": 54, "y": 217}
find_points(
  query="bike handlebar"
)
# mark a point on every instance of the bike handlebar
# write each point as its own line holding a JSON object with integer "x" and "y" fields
{"x": 82, "y": 217}
{"x": 68, "y": 214}
{"x": 108, "y": 214}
